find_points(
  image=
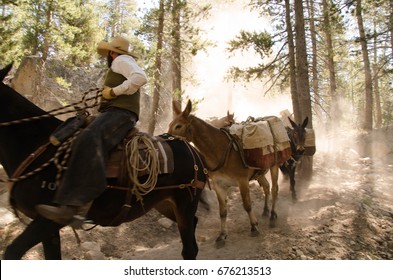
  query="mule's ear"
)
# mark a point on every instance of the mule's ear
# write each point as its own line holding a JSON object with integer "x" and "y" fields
{"x": 175, "y": 108}
{"x": 230, "y": 118}
{"x": 4, "y": 71}
{"x": 188, "y": 108}
{"x": 292, "y": 122}
{"x": 305, "y": 122}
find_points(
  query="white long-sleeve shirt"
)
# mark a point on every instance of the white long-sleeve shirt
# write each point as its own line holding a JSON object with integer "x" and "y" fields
{"x": 136, "y": 77}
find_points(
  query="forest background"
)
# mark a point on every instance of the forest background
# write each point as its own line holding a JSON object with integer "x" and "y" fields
{"x": 330, "y": 59}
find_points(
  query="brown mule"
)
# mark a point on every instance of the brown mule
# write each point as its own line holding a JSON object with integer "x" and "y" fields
{"x": 225, "y": 165}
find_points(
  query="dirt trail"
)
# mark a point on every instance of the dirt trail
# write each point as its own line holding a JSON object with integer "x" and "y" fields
{"x": 344, "y": 212}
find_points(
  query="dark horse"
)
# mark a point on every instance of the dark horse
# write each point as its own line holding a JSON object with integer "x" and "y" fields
{"x": 297, "y": 137}
{"x": 18, "y": 141}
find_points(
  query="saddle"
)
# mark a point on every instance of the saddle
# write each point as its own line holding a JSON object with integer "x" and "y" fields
{"x": 116, "y": 167}
{"x": 264, "y": 141}
{"x": 117, "y": 163}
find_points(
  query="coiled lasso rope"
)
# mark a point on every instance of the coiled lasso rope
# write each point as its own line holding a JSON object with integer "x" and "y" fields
{"x": 150, "y": 165}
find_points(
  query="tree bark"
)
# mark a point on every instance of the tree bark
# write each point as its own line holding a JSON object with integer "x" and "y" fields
{"x": 48, "y": 23}
{"x": 292, "y": 64}
{"x": 315, "y": 78}
{"x": 176, "y": 54}
{"x": 368, "y": 102}
{"x": 391, "y": 26}
{"x": 303, "y": 84}
{"x": 327, "y": 29}
{"x": 378, "y": 109}
{"x": 157, "y": 71}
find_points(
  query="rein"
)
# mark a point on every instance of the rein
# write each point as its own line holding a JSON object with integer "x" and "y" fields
{"x": 64, "y": 149}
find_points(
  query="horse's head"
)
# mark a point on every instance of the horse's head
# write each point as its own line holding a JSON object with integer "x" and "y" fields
{"x": 181, "y": 122}
{"x": 228, "y": 120}
{"x": 298, "y": 134}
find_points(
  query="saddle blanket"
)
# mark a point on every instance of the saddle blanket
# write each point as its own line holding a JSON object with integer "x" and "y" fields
{"x": 264, "y": 141}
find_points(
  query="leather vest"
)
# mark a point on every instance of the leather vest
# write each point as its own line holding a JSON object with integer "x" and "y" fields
{"x": 127, "y": 102}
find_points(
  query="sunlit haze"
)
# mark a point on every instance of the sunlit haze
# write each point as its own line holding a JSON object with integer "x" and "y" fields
{"x": 211, "y": 67}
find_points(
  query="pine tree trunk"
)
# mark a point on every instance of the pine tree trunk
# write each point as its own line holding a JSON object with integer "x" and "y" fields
{"x": 48, "y": 23}
{"x": 303, "y": 84}
{"x": 157, "y": 71}
{"x": 176, "y": 54}
{"x": 368, "y": 108}
{"x": 292, "y": 63}
{"x": 334, "y": 108}
{"x": 391, "y": 26}
{"x": 378, "y": 109}
{"x": 315, "y": 80}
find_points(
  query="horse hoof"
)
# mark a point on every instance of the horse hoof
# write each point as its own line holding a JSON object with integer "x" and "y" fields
{"x": 220, "y": 241}
{"x": 273, "y": 216}
{"x": 220, "y": 244}
{"x": 254, "y": 232}
{"x": 294, "y": 198}
{"x": 265, "y": 212}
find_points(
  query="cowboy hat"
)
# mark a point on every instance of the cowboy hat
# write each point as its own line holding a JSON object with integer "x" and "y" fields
{"x": 118, "y": 44}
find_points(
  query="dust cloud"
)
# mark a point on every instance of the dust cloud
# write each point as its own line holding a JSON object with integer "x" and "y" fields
{"x": 210, "y": 69}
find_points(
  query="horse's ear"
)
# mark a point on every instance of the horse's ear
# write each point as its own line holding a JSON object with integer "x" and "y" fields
{"x": 305, "y": 122}
{"x": 175, "y": 107}
{"x": 4, "y": 71}
{"x": 188, "y": 108}
{"x": 230, "y": 118}
{"x": 292, "y": 122}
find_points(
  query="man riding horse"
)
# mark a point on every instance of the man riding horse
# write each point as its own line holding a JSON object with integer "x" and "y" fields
{"x": 83, "y": 181}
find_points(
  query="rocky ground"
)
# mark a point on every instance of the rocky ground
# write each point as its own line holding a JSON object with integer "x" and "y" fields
{"x": 344, "y": 212}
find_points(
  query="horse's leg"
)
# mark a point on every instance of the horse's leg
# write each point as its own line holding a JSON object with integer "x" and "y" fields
{"x": 186, "y": 223}
{"x": 274, "y": 176}
{"x": 39, "y": 230}
{"x": 264, "y": 183}
{"x": 221, "y": 193}
{"x": 292, "y": 169}
{"x": 52, "y": 246}
{"x": 187, "y": 226}
{"x": 247, "y": 205}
